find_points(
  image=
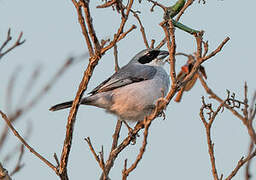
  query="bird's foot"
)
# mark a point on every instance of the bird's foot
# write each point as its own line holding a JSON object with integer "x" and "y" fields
{"x": 162, "y": 102}
{"x": 131, "y": 133}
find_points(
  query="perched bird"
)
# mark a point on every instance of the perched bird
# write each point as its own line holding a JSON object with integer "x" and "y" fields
{"x": 131, "y": 92}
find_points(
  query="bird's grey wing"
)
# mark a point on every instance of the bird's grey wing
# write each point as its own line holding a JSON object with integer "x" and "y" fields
{"x": 126, "y": 75}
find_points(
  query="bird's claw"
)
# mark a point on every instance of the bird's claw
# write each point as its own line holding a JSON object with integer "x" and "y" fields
{"x": 132, "y": 135}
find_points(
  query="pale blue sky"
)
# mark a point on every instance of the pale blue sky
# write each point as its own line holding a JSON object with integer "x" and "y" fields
{"x": 177, "y": 147}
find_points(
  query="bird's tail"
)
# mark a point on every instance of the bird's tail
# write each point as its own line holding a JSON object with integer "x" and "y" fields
{"x": 68, "y": 104}
{"x": 61, "y": 106}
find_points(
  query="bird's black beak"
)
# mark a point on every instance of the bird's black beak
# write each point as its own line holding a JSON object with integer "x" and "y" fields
{"x": 162, "y": 54}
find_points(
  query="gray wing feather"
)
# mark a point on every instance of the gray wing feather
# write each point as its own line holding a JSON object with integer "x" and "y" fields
{"x": 126, "y": 75}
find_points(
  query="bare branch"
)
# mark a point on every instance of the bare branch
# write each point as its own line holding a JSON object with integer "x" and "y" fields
{"x": 9, "y": 38}
{"x": 188, "y": 3}
{"x": 112, "y": 43}
{"x": 152, "y": 43}
{"x": 169, "y": 31}
{"x": 172, "y": 51}
{"x": 92, "y": 33}
{"x": 100, "y": 159}
{"x": 219, "y": 48}
{"x": 107, "y": 4}
{"x": 208, "y": 125}
{"x": 142, "y": 30}
{"x": 247, "y": 169}
{"x": 117, "y": 36}
{"x": 155, "y": 3}
{"x": 8, "y": 122}
{"x": 18, "y": 165}
{"x": 83, "y": 27}
{"x": 240, "y": 163}
{"x": 116, "y": 58}
{"x": 161, "y": 43}
{"x": 126, "y": 171}
{"x": 111, "y": 159}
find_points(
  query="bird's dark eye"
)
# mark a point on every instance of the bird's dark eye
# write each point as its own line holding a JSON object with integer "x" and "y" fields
{"x": 151, "y": 55}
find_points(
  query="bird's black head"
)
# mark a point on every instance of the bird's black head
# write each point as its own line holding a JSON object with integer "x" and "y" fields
{"x": 149, "y": 55}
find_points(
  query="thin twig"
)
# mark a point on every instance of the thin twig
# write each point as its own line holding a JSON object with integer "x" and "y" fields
{"x": 126, "y": 171}
{"x": 18, "y": 165}
{"x": 116, "y": 149}
{"x": 217, "y": 50}
{"x": 110, "y": 162}
{"x": 142, "y": 30}
{"x": 188, "y": 3}
{"x": 172, "y": 51}
{"x": 83, "y": 27}
{"x": 199, "y": 42}
{"x": 205, "y": 48}
{"x": 117, "y": 36}
{"x": 171, "y": 47}
{"x": 116, "y": 58}
{"x": 8, "y": 38}
{"x": 152, "y": 43}
{"x": 56, "y": 159}
{"x": 92, "y": 33}
{"x": 8, "y": 122}
{"x": 247, "y": 168}
{"x": 107, "y": 4}
{"x": 100, "y": 159}
{"x": 161, "y": 43}
{"x": 17, "y": 149}
{"x": 112, "y": 43}
{"x": 240, "y": 163}
{"x": 208, "y": 126}
{"x": 155, "y": 3}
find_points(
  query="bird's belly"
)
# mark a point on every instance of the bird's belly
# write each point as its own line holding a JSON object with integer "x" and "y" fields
{"x": 134, "y": 101}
